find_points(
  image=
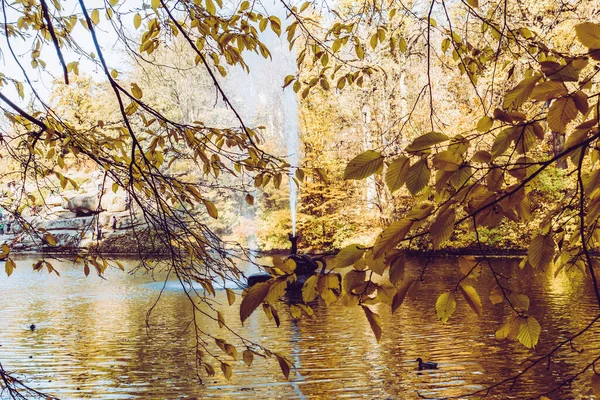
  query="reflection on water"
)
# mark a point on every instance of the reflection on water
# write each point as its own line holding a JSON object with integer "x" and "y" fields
{"x": 92, "y": 341}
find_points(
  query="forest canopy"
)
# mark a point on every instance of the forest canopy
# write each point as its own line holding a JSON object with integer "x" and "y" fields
{"x": 424, "y": 125}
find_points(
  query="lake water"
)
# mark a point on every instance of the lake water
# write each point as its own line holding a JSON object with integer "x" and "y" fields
{"x": 92, "y": 341}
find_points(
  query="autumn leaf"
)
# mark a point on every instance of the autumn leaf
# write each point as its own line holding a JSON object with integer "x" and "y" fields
{"x": 254, "y": 297}
{"x": 364, "y": 165}
{"x": 472, "y": 298}
{"x": 445, "y": 306}
{"x": 374, "y": 321}
{"x": 395, "y": 176}
{"x": 529, "y": 332}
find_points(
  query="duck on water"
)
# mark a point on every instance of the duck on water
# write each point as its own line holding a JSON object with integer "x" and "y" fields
{"x": 426, "y": 364}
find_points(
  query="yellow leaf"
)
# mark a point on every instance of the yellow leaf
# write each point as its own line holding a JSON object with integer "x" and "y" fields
{"x": 549, "y": 90}
{"x": 445, "y": 306}
{"x": 115, "y": 187}
{"x": 426, "y": 142}
{"x": 51, "y": 240}
{"x": 472, "y": 298}
{"x": 220, "y": 319}
{"x": 227, "y": 370}
{"x": 391, "y": 236}
{"x": 485, "y": 124}
{"x": 348, "y": 256}
{"x": 9, "y": 267}
{"x": 442, "y": 228}
{"x": 447, "y": 161}
{"x": 137, "y": 21}
{"x": 401, "y": 294}
{"x": 210, "y": 7}
{"x": 473, "y": 3}
{"x": 309, "y": 289}
{"x": 561, "y": 112}
{"x": 254, "y": 297}
{"x": 230, "y": 296}
{"x": 95, "y": 16}
{"x": 515, "y": 97}
{"x": 529, "y": 332}
{"x": 496, "y": 296}
{"x": 396, "y": 173}
{"x": 397, "y": 264}
{"x": 136, "y": 91}
{"x": 418, "y": 176}
{"x": 541, "y": 251}
{"x": 248, "y": 357}
{"x": 374, "y": 321}
{"x": 210, "y": 207}
{"x": 588, "y": 34}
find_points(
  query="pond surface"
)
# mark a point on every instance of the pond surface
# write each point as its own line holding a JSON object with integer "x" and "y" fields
{"x": 92, "y": 341}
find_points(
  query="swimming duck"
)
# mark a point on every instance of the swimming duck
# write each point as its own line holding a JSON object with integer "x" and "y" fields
{"x": 426, "y": 364}
{"x": 32, "y": 327}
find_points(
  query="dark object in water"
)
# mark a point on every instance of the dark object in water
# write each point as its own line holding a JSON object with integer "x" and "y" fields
{"x": 294, "y": 240}
{"x": 305, "y": 267}
{"x": 257, "y": 278}
{"x": 426, "y": 364}
{"x": 32, "y": 327}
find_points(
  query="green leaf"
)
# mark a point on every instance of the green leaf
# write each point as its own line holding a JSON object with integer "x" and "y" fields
{"x": 418, "y": 176}
{"x": 541, "y": 251}
{"x": 588, "y": 34}
{"x": 529, "y": 332}
{"x": 442, "y": 228}
{"x": 445, "y": 306}
{"x": 561, "y": 112}
{"x": 374, "y": 321}
{"x": 348, "y": 256}
{"x": 472, "y": 298}
{"x": 549, "y": 90}
{"x": 364, "y": 165}
{"x": 396, "y": 173}
{"x": 426, "y": 142}
{"x": 254, "y": 298}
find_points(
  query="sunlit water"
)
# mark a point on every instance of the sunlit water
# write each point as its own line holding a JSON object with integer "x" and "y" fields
{"x": 92, "y": 341}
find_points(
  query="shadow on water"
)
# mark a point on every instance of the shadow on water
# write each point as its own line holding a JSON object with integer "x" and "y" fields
{"x": 92, "y": 340}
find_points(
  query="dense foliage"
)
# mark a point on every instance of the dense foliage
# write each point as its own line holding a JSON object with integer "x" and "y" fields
{"x": 440, "y": 123}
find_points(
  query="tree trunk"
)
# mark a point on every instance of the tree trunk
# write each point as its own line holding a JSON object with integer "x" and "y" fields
{"x": 558, "y": 146}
